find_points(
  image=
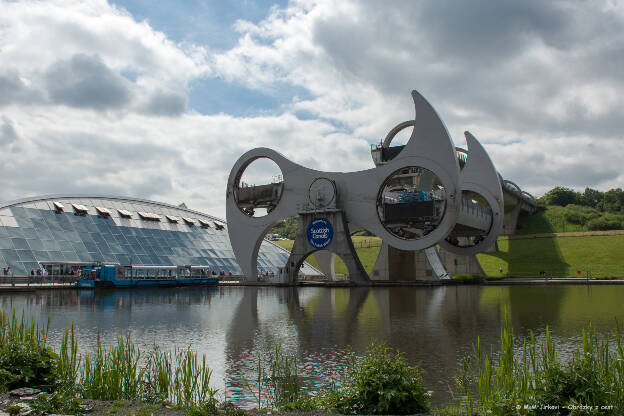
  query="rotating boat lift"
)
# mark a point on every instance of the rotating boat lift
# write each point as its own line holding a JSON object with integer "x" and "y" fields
{"x": 419, "y": 195}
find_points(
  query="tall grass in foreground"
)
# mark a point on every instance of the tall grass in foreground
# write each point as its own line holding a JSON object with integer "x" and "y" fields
{"x": 110, "y": 373}
{"x": 537, "y": 382}
{"x": 177, "y": 377}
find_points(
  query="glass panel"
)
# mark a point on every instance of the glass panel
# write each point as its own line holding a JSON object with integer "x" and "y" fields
{"x": 6, "y": 243}
{"x": 97, "y": 237}
{"x": 39, "y": 224}
{"x": 120, "y": 239}
{"x": 50, "y": 245}
{"x": 25, "y": 255}
{"x": 103, "y": 247}
{"x": 15, "y": 232}
{"x": 55, "y": 255}
{"x": 116, "y": 247}
{"x": 123, "y": 259}
{"x": 45, "y": 235}
{"x": 29, "y": 232}
{"x": 65, "y": 246}
{"x": 86, "y": 238}
{"x": 35, "y": 244}
{"x": 20, "y": 244}
{"x": 18, "y": 212}
{"x": 128, "y": 249}
{"x": 70, "y": 256}
{"x": 9, "y": 255}
{"x": 78, "y": 247}
{"x": 91, "y": 247}
{"x": 72, "y": 236}
{"x": 146, "y": 260}
{"x": 33, "y": 213}
{"x": 84, "y": 256}
{"x": 42, "y": 256}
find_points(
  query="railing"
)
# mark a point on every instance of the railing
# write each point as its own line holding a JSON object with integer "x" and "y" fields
{"x": 367, "y": 243}
{"x": 37, "y": 281}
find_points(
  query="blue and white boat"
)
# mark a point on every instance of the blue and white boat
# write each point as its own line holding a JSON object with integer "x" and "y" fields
{"x": 113, "y": 275}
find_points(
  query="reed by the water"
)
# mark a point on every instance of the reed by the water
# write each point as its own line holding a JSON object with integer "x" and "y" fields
{"x": 523, "y": 378}
{"x": 110, "y": 373}
{"x": 537, "y": 381}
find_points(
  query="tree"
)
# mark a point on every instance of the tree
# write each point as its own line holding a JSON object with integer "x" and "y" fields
{"x": 562, "y": 196}
{"x": 592, "y": 197}
{"x": 614, "y": 200}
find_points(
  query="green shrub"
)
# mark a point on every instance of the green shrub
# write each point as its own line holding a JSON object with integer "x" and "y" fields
{"x": 531, "y": 382}
{"x": 63, "y": 402}
{"x": 467, "y": 277}
{"x": 25, "y": 361}
{"x": 382, "y": 382}
{"x": 603, "y": 223}
{"x": 576, "y": 214}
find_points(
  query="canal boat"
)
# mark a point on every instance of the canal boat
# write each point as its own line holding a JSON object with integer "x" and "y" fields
{"x": 113, "y": 275}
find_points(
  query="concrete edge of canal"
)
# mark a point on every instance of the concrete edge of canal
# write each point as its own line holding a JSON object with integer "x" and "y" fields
{"x": 512, "y": 281}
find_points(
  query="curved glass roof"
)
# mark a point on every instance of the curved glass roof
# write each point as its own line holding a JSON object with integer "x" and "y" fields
{"x": 77, "y": 230}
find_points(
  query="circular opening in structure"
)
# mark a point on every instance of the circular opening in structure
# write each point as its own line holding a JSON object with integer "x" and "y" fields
{"x": 367, "y": 247}
{"x": 402, "y": 136}
{"x": 474, "y": 221}
{"x": 411, "y": 202}
{"x": 259, "y": 187}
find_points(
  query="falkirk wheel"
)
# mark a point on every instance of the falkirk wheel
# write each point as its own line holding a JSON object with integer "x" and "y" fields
{"x": 419, "y": 196}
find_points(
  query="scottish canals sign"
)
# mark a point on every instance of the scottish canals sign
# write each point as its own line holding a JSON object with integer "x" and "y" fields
{"x": 320, "y": 233}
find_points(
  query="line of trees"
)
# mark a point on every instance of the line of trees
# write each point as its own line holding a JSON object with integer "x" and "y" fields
{"x": 592, "y": 209}
{"x": 609, "y": 201}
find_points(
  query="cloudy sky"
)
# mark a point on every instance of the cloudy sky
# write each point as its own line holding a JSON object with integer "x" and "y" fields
{"x": 158, "y": 99}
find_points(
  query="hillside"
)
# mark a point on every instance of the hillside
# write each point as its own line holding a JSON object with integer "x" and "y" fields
{"x": 563, "y": 256}
{"x": 526, "y": 256}
{"x": 571, "y": 218}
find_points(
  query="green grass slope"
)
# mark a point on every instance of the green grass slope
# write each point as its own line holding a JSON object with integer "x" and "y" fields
{"x": 525, "y": 257}
{"x": 561, "y": 256}
{"x": 571, "y": 218}
{"x": 367, "y": 249}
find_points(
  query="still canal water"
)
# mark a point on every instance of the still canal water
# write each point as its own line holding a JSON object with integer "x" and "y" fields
{"x": 233, "y": 326}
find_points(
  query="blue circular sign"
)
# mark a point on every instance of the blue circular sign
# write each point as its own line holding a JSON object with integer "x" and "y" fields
{"x": 320, "y": 233}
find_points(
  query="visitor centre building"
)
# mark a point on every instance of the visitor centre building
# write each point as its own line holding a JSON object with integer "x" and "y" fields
{"x": 62, "y": 233}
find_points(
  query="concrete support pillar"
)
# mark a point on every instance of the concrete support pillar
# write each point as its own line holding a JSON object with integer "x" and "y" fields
{"x": 340, "y": 245}
{"x": 399, "y": 265}
{"x": 325, "y": 261}
{"x": 510, "y": 220}
{"x": 456, "y": 264}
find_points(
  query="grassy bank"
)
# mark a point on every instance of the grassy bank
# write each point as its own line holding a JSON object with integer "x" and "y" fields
{"x": 561, "y": 256}
{"x": 367, "y": 249}
{"x": 571, "y": 218}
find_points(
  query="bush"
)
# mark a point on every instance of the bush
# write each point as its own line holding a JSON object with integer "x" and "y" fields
{"x": 534, "y": 379}
{"x": 381, "y": 383}
{"x": 25, "y": 361}
{"x": 576, "y": 214}
{"x": 467, "y": 277}
{"x": 23, "y": 366}
{"x": 604, "y": 223}
{"x": 561, "y": 196}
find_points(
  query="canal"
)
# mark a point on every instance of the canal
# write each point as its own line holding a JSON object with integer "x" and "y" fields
{"x": 234, "y": 326}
